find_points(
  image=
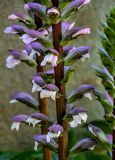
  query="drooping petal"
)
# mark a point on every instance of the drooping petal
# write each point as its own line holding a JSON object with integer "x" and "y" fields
{"x": 27, "y": 39}
{"x": 54, "y": 61}
{"x": 11, "y": 62}
{"x": 35, "y": 87}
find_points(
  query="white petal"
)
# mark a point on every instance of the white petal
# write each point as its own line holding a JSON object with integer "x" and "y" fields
{"x": 44, "y": 93}
{"x": 13, "y": 101}
{"x": 52, "y": 135}
{"x": 71, "y": 25}
{"x": 11, "y": 62}
{"x": 32, "y": 121}
{"x": 83, "y": 116}
{"x": 35, "y": 87}
{"x": 77, "y": 119}
{"x": 92, "y": 148}
{"x": 84, "y": 57}
{"x": 12, "y": 17}
{"x": 31, "y": 56}
{"x": 36, "y": 145}
{"x": 88, "y": 95}
{"x": 52, "y": 94}
{"x": 90, "y": 129}
{"x": 27, "y": 39}
{"x": 15, "y": 125}
{"x": 54, "y": 61}
{"x": 10, "y": 30}
{"x": 73, "y": 124}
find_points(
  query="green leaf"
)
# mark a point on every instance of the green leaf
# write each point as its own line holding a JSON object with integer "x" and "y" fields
{"x": 110, "y": 34}
{"x": 67, "y": 76}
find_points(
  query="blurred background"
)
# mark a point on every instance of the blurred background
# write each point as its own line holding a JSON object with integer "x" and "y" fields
{"x": 19, "y": 78}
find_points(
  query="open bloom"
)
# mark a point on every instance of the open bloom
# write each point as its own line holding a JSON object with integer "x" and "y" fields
{"x": 78, "y": 115}
{"x": 50, "y": 90}
{"x": 15, "y": 29}
{"x": 32, "y": 35}
{"x": 16, "y": 57}
{"x": 46, "y": 90}
{"x": 17, "y": 120}
{"x": 37, "y": 83}
{"x": 51, "y": 57}
{"x": 54, "y": 131}
{"x": 42, "y": 139}
{"x": 36, "y": 118}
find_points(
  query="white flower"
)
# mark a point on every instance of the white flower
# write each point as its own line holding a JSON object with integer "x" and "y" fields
{"x": 82, "y": 32}
{"x": 51, "y": 59}
{"x": 88, "y": 95}
{"x": 77, "y": 119}
{"x": 35, "y": 87}
{"x": 27, "y": 39}
{"x": 15, "y": 125}
{"x": 12, "y": 62}
{"x": 10, "y": 30}
{"x": 47, "y": 93}
{"x": 52, "y": 135}
{"x": 86, "y": 56}
{"x": 12, "y": 17}
{"x": 36, "y": 145}
{"x": 32, "y": 121}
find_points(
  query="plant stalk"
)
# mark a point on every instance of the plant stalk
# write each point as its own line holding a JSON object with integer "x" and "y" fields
{"x": 43, "y": 103}
{"x": 61, "y": 101}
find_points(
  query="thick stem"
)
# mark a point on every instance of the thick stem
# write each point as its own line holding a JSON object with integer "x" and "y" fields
{"x": 60, "y": 102}
{"x": 113, "y": 149}
{"x": 42, "y": 102}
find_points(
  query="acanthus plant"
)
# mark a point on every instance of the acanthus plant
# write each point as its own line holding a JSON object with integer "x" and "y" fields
{"x": 107, "y": 73}
{"x": 47, "y": 36}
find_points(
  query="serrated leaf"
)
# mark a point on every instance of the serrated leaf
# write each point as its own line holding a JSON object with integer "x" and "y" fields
{"x": 111, "y": 23}
{"x": 110, "y": 34}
